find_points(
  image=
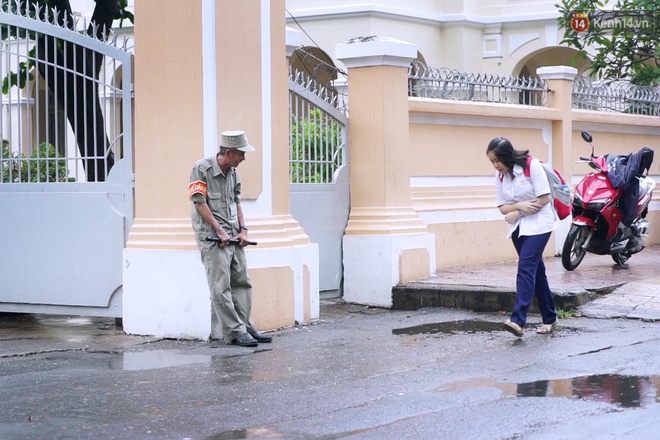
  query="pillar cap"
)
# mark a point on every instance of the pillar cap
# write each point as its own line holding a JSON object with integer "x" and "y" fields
{"x": 557, "y": 72}
{"x": 375, "y": 51}
{"x": 293, "y": 40}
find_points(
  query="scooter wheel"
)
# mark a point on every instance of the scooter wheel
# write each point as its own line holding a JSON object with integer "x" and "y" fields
{"x": 621, "y": 260}
{"x": 574, "y": 246}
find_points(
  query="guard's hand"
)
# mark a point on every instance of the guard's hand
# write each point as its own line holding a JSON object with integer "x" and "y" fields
{"x": 242, "y": 237}
{"x": 224, "y": 238}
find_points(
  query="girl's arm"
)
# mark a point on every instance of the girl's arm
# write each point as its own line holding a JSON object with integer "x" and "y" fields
{"x": 526, "y": 207}
{"x": 514, "y": 211}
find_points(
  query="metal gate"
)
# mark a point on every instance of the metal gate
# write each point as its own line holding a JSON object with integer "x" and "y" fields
{"x": 320, "y": 199}
{"x": 66, "y": 188}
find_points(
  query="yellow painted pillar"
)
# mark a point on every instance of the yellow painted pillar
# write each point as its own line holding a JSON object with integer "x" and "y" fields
{"x": 220, "y": 65}
{"x": 385, "y": 241}
{"x": 560, "y": 82}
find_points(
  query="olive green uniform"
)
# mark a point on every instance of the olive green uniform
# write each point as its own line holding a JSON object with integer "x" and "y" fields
{"x": 226, "y": 267}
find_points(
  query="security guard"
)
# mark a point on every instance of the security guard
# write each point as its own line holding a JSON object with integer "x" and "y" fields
{"x": 215, "y": 190}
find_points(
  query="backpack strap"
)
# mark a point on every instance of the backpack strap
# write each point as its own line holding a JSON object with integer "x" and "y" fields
{"x": 527, "y": 170}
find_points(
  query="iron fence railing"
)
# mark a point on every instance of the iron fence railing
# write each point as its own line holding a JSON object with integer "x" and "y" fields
{"x": 65, "y": 104}
{"x": 444, "y": 83}
{"x": 326, "y": 92}
{"x": 318, "y": 131}
{"x": 588, "y": 93}
{"x": 615, "y": 96}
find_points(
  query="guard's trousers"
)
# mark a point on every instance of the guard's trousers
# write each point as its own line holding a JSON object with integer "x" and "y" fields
{"x": 230, "y": 287}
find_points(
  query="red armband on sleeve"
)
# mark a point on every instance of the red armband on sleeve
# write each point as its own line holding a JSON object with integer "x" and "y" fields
{"x": 197, "y": 187}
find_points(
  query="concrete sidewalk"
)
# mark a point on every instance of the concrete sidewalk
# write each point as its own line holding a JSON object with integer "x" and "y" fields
{"x": 597, "y": 288}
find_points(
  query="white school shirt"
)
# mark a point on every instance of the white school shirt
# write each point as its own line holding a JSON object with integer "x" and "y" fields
{"x": 518, "y": 189}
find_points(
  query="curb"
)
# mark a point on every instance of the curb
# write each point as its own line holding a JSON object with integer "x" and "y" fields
{"x": 413, "y": 296}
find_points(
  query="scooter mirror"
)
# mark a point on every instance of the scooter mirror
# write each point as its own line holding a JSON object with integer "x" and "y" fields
{"x": 586, "y": 136}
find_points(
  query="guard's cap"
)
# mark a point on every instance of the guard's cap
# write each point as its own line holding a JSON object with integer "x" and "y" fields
{"x": 235, "y": 139}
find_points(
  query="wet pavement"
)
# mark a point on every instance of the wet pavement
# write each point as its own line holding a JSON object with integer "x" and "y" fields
{"x": 597, "y": 288}
{"x": 359, "y": 373}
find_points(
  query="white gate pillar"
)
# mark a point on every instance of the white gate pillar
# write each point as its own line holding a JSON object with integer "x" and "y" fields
{"x": 386, "y": 242}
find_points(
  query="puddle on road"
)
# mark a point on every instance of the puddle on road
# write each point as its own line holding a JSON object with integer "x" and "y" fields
{"x": 128, "y": 361}
{"x": 256, "y": 432}
{"x": 625, "y": 391}
{"x": 150, "y": 360}
{"x": 451, "y": 328}
{"x": 464, "y": 327}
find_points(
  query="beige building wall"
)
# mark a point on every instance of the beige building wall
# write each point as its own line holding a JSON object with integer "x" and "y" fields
{"x": 493, "y": 36}
{"x": 453, "y": 187}
{"x": 454, "y": 184}
{"x": 328, "y": 33}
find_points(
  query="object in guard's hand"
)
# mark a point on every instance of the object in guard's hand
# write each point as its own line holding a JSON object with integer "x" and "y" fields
{"x": 231, "y": 240}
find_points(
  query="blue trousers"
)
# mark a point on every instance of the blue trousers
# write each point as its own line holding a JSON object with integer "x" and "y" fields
{"x": 531, "y": 279}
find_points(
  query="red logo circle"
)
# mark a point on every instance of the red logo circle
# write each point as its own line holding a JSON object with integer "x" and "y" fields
{"x": 579, "y": 21}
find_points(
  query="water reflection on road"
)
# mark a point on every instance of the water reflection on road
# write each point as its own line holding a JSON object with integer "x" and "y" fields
{"x": 451, "y": 327}
{"x": 624, "y": 391}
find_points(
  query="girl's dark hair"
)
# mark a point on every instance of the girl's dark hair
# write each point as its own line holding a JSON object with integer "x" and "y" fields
{"x": 504, "y": 151}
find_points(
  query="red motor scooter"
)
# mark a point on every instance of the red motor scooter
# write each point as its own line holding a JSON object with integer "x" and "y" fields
{"x": 596, "y": 226}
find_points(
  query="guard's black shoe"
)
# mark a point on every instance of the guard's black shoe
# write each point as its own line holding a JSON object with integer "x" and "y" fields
{"x": 245, "y": 340}
{"x": 261, "y": 338}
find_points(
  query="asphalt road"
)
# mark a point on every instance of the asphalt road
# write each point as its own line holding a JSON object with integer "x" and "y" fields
{"x": 359, "y": 373}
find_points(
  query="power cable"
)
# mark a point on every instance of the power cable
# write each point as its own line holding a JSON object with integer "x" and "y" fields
{"x": 331, "y": 67}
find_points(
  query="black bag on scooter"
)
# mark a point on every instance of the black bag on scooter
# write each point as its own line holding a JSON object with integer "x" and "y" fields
{"x": 623, "y": 172}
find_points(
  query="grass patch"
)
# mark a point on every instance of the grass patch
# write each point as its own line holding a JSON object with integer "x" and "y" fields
{"x": 565, "y": 314}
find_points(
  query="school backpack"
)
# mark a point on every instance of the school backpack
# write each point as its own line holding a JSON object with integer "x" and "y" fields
{"x": 559, "y": 190}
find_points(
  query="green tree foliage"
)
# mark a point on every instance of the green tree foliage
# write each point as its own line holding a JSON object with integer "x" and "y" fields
{"x": 621, "y": 40}
{"x": 316, "y": 142}
{"x": 44, "y": 165}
